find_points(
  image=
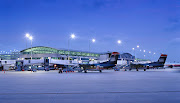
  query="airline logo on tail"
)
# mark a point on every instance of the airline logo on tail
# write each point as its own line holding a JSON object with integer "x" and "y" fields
{"x": 114, "y": 56}
{"x": 162, "y": 58}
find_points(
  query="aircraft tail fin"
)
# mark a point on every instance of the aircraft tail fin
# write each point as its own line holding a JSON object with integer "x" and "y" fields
{"x": 114, "y": 57}
{"x": 162, "y": 58}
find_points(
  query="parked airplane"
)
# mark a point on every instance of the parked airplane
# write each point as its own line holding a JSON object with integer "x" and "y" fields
{"x": 158, "y": 64}
{"x": 172, "y": 65}
{"x": 45, "y": 64}
{"x": 100, "y": 66}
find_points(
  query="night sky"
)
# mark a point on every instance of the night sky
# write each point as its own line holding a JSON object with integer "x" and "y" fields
{"x": 154, "y": 25}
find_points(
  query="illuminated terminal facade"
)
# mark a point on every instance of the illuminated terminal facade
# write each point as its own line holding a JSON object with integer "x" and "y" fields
{"x": 11, "y": 56}
{"x": 48, "y": 52}
{"x": 42, "y": 52}
{"x": 39, "y": 52}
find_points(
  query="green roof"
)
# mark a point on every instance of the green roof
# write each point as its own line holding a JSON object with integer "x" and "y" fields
{"x": 49, "y": 50}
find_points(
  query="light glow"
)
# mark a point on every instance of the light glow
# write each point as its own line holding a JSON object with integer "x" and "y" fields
{"x": 30, "y": 38}
{"x": 119, "y": 42}
{"x": 93, "y": 40}
{"x": 27, "y": 35}
{"x": 73, "y": 36}
{"x": 137, "y": 46}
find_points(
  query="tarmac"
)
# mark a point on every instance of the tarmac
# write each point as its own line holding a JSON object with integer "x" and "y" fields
{"x": 151, "y": 86}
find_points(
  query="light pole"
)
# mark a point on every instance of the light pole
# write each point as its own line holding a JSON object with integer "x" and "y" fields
{"x": 71, "y": 37}
{"x": 134, "y": 51}
{"x": 137, "y": 48}
{"x": 154, "y": 55}
{"x": 119, "y": 42}
{"x": 27, "y": 36}
{"x": 144, "y": 54}
{"x": 150, "y": 55}
{"x": 31, "y": 38}
{"x": 93, "y": 41}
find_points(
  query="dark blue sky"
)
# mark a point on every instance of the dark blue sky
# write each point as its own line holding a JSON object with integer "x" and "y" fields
{"x": 152, "y": 24}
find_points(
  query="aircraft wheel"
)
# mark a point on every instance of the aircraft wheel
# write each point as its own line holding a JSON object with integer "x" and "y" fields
{"x": 129, "y": 69}
{"x": 144, "y": 69}
{"x": 100, "y": 71}
{"x": 137, "y": 70}
{"x": 125, "y": 70}
{"x": 85, "y": 71}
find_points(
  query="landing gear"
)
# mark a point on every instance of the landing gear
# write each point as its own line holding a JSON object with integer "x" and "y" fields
{"x": 100, "y": 71}
{"x": 85, "y": 71}
{"x": 171, "y": 66}
{"x": 137, "y": 70}
{"x": 144, "y": 69}
{"x": 125, "y": 70}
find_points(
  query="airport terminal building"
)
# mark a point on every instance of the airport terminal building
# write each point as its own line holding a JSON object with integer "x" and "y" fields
{"x": 41, "y": 53}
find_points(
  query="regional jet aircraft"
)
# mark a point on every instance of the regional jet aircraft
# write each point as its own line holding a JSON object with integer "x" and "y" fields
{"x": 158, "y": 64}
{"x": 100, "y": 66}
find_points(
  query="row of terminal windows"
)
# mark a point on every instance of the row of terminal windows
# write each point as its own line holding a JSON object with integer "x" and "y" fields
{"x": 58, "y": 58}
{"x": 8, "y": 57}
{"x": 44, "y": 50}
{"x": 71, "y": 53}
{"x": 65, "y": 53}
